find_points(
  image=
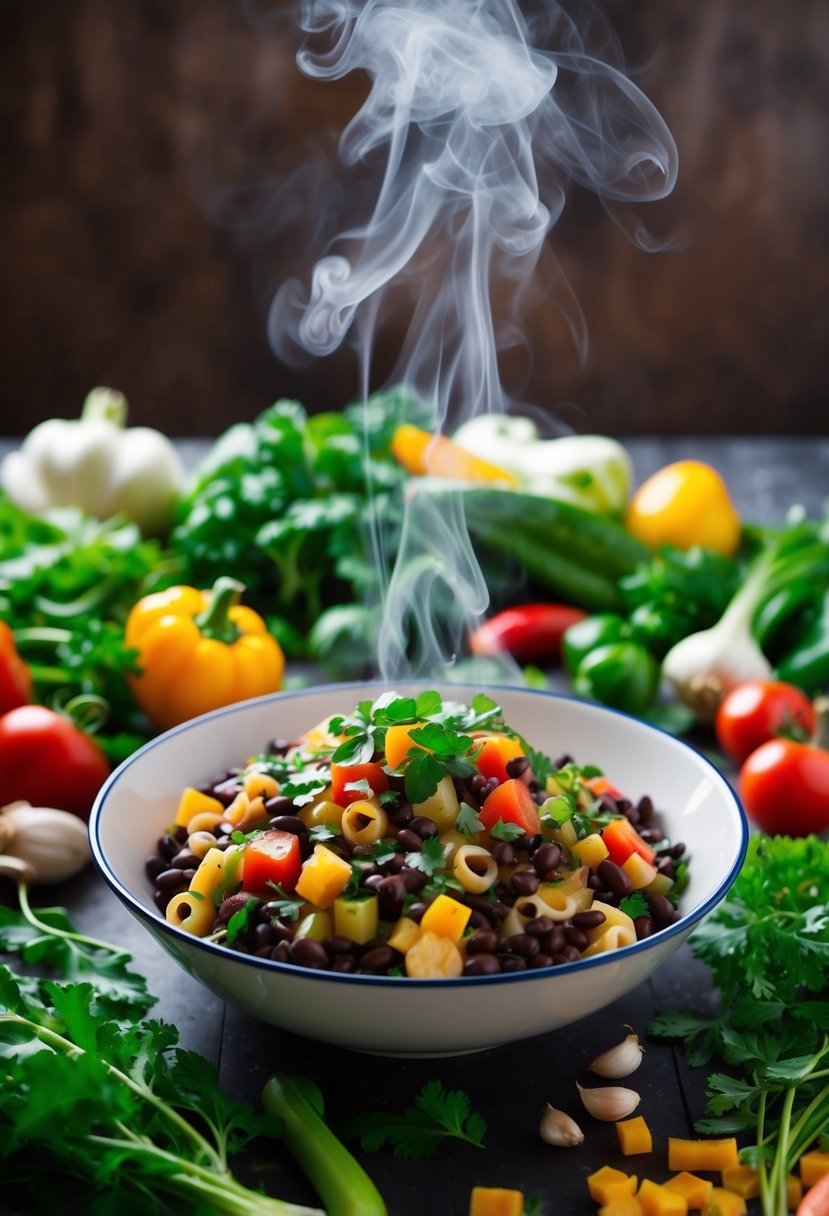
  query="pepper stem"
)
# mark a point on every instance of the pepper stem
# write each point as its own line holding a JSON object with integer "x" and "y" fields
{"x": 215, "y": 622}
{"x": 106, "y": 404}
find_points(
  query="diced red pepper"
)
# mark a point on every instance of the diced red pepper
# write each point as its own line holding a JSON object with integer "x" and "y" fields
{"x": 511, "y": 802}
{"x": 601, "y": 785}
{"x": 270, "y": 859}
{"x": 496, "y": 753}
{"x": 15, "y": 678}
{"x": 343, "y": 775}
{"x": 621, "y": 839}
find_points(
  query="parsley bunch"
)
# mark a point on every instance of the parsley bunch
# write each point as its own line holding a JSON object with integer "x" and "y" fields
{"x": 767, "y": 947}
{"x": 100, "y": 1098}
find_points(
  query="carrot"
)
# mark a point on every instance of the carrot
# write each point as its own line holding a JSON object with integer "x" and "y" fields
{"x": 816, "y": 1200}
{"x": 422, "y": 452}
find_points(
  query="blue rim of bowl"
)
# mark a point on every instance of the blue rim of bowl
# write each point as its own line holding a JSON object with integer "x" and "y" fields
{"x": 157, "y": 923}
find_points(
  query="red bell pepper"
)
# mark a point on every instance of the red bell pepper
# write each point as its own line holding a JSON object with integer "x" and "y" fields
{"x": 344, "y": 775}
{"x": 529, "y": 632}
{"x": 272, "y": 859}
{"x": 511, "y": 802}
{"x": 15, "y": 677}
{"x": 496, "y": 753}
{"x": 621, "y": 839}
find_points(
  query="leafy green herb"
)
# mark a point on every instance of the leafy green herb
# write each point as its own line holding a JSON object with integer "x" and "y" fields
{"x": 506, "y": 831}
{"x": 468, "y": 820}
{"x": 429, "y": 857}
{"x": 285, "y": 906}
{"x": 304, "y": 789}
{"x": 634, "y": 905}
{"x": 321, "y": 832}
{"x": 558, "y": 809}
{"x": 767, "y": 946}
{"x": 437, "y": 1113}
{"x": 240, "y": 920}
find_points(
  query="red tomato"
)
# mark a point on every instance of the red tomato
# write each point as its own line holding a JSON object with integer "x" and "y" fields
{"x": 621, "y": 839}
{"x": 784, "y": 787}
{"x": 271, "y": 858}
{"x": 816, "y": 1200}
{"x": 46, "y": 760}
{"x": 343, "y": 775}
{"x": 513, "y": 803}
{"x": 529, "y": 632}
{"x": 760, "y": 710}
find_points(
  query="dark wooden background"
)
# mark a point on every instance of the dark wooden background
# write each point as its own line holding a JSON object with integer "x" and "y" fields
{"x": 141, "y": 149}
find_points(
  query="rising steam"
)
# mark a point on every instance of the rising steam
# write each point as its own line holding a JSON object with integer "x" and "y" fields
{"x": 478, "y": 116}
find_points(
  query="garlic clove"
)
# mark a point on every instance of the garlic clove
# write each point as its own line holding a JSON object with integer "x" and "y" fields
{"x": 619, "y": 1061}
{"x": 609, "y": 1104}
{"x": 559, "y": 1129}
{"x": 52, "y": 843}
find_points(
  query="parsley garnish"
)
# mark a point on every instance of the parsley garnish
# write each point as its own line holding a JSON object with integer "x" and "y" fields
{"x": 468, "y": 820}
{"x": 429, "y": 858}
{"x": 506, "y": 831}
{"x": 306, "y": 787}
{"x": 437, "y": 1113}
{"x": 634, "y": 905}
{"x": 324, "y": 831}
{"x": 767, "y": 947}
{"x": 240, "y": 920}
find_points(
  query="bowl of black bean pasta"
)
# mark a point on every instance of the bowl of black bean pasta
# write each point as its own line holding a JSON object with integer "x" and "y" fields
{"x": 362, "y": 864}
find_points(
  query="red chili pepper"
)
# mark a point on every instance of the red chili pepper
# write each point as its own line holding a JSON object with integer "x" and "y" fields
{"x": 15, "y": 678}
{"x": 529, "y": 632}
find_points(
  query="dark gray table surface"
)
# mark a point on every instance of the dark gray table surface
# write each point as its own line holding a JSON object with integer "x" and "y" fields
{"x": 511, "y": 1084}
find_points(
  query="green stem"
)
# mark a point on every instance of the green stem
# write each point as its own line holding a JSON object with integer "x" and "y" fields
{"x": 777, "y": 1179}
{"x": 105, "y": 404}
{"x": 214, "y": 622}
{"x": 64, "y": 934}
{"x": 48, "y": 635}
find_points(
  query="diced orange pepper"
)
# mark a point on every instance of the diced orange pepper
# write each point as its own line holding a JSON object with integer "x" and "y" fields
{"x": 657, "y": 1200}
{"x": 695, "y": 1191}
{"x": 813, "y": 1166}
{"x": 724, "y": 1203}
{"x": 622, "y": 1203}
{"x": 742, "y": 1180}
{"x": 194, "y": 802}
{"x": 601, "y": 785}
{"x": 702, "y": 1154}
{"x": 324, "y": 876}
{"x": 496, "y": 753}
{"x": 447, "y": 917}
{"x": 605, "y": 1180}
{"x": 399, "y": 742}
{"x": 634, "y": 1136}
{"x": 495, "y": 1201}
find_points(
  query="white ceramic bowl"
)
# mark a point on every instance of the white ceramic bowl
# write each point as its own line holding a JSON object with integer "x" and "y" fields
{"x": 406, "y": 1016}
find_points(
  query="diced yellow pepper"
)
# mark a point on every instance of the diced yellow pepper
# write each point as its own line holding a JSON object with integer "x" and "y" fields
{"x": 316, "y": 925}
{"x": 495, "y": 1201}
{"x": 356, "y": 919}
{"x": 323, "y": 877}
{"x": 742, "y": 1180}
{"x": 724, "y": 1203}
{"x": 447, "y": 917}
{"x": 607, "y": 1179}
{"x": 634, "y": 1136}
{"x": 434, "y": 957}
{"x": 260, "y": 785}
{"x": 657, "y": 1200}
{"x": 813, "y": 1166}
{"x": 592, "y": 850}
{"x": 702, "y": 1154}
{"x": 695, "y": 1191}
{"x": 324, "y": 811}
{"x": 194, "y": 802}
{"x": 404, "y": 934}
{"x": 660, "y": 885}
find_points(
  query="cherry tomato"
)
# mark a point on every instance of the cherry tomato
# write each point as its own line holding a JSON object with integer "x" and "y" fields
{"x": 816, "y": 1200}
{"x": 784, "y": 787}
{"x": 529, "y": 632}
{"x": 46, "y": 760}
{"x": 758, "y": 711}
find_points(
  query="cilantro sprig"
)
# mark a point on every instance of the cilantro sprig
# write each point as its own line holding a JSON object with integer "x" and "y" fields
{"x": 437, "y": 1114}
{"x": 767, "y": 947}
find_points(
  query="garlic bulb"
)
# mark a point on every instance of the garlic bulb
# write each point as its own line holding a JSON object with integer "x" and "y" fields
{"x": 609, "y": 1104}
{"x": 619, "y": 1061}
{"x": 53, "y": 843}
{"x": 559, "y": 1129}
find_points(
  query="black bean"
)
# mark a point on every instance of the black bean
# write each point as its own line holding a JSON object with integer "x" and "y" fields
{"x": 187, "y": 876}
{"x": 373, "y": 881}
{"x": 564, "y": 759}
{"x": 555, "y": 941}
{"x": 391, "y": 891}
{"x": 226, "y": 791}
{"x": 482, "y": 964}
{"x": 410, "y": 840}
{"x": 652, "y": 835}
{"x": 513, "y": 962}
{"x": 233, "y": 903}
{"x": 576, "y": 937}
{"x": 608, "y": 804}
{"x": 379, "y": 959}
{"x": 644, "y": 927}
{"x": 402, "y": 815}
{"x": 570, "y": 953}
{"x": 504, "y": 853}
{"x": 524, "y": 882}
{"x": 424, "y": 826}
{"x": 478, "y": 920}
{"x": 185, "y": 860}
{"x": 395, "y": 864}
{"x": 541, "y": 960}
{"x": 594, "y": 882}
{"x": 171, "y": 880}
{"x": 162, "y": 898}
{"x": 664, "y": 865}
{"x": 540, "y": 926}
{"x": 288, "y": 823}
{"x": 155, "y": 865}
{"x": 644, "y": 809}
{"x": 415, "y": 910}
{"x": 676, "y": 851}
{"x": 531, "y": 843}
{"x": 413, "y": 880}
{"x": 661, "y": 909}
{"x": 336, "y": 944}
{"x": 281, "y": 953}
{"x": 591, "y": 919}
{"x": 306, "y": 952}
{"x": 167, "y": 846}
{"x": 263, "y": 936}
{"x": 482, "y": 942}
{"x": 518, "y": 766}
{"x": 522, "y": 943}
{"x": 278, "y": 747}
{"x": 613, "y": 877}
{"x": 477, "y": 784}
{"x": 345, "y": 963}
{"x": 546, "y": 857}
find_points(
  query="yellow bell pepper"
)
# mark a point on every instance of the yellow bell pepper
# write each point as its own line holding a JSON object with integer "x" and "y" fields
{"x": 685, "y": 504}
{"x": 199, "y": 650}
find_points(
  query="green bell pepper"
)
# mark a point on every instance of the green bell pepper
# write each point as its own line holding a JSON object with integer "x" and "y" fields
{"x": 580, "y": 639}
{"x": 621, "y": 674}
{"x": 782, "y": 620}
{"x": 807, "y": 663}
